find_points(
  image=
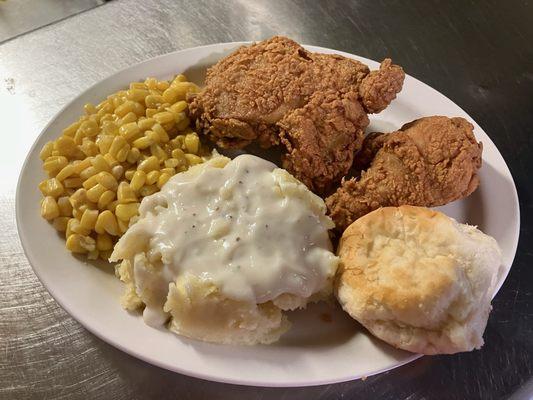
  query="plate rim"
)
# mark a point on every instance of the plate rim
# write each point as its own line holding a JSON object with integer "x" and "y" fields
{"x": 173, "y": 367}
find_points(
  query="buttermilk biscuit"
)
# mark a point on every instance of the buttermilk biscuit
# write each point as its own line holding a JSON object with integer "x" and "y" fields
{"x": 418, "y": 279}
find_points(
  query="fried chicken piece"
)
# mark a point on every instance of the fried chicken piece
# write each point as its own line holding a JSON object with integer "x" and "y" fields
{"x": 276, "y": 91}
{"x": 429, "y": 162}
{"x": 322, "y": 137}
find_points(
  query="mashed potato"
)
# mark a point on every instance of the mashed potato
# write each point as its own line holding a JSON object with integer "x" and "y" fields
{"x": 224, "y": 248}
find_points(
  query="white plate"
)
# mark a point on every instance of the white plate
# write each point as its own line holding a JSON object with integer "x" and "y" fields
{"x": 316, "y": 351}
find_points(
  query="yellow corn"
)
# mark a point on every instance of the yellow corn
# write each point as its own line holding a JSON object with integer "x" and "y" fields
{"x": 137, "y": 181}
{"x": 150, "y": 112}
{"x": 49, "y": 208}
{"x": 100, "y": 163}
{"x": 145, "y": 124}
{"x": 109, "y": 128}
{"x": 125, "y": 194}
{"x": 173, "y": 162}
{"x": 91, "y": 182}
{"x": 88, "y": 128}
{"x": 107, "y": 180}
{"x": 129, "y": 174}
{"x": 107, "y": 197}
{"x": 88, "y": 172}
{"x": 122, "y": 154}
{"x": 126, "y": 211}
{"x": 94, "y": 193}
{"x": 78, "y": 198}
{"x": 65, "y": 208}
{"x": 130, "y": 131}
{"x": 133, "y": 155}
{"x": 151, "y": 163}
{"x": 193, "y": 159}
{"x": 46, "y": 151}
{"x": 118, "y": 143}
{"x": 60, "y": 223}
{"x": 112, "y": 206}
{"x": 157, "y": 151}
{"x": 148, "y": 190}
{"x": 88, "y": 219}
{"x": 106, "y": 222}
{"x": 117, "y": 171}
{"x": 161, "y": 132}
{"x": 71, "y": 129}
{"x": 88, "y": 148}
{"x": 164, "y": 117}
{"x": 65, "y": 145}
{"x": 67, "y": 171}
{"x": 81, "y": 165}
{"x": 77, "y": 243}
{"x": 52, "y": 165}
{"x": 138, "y": 85}
{"x": 112, "y": 161}
{"x": 104, "y": 242}
{"x": 143, "y": 142}
{"x": 153, "y": 136}
{"x": 51, "y": 187}
{"x": 152, "y": 177}
{"x": 168, "y": 171}
{"x": 163, "y": 178}
{"x": 137, "y": 95}
{"x": 183, "y": 123}
{"x": 153, "y": 101}
{"x": 192, "y": 143}
{"x": 72, "y": 183}
{"x": 129, "y": 117}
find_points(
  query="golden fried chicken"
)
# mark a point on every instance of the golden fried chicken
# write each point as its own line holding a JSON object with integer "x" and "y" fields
{"x": 314, "y": 104}
{"x": 429, "y": 162}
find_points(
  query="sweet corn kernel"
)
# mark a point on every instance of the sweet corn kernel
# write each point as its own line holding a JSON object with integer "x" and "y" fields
{"x": 143, "y": 142}
{"x": 193, "y": 159}
{"x": 137, "y": 94}
{"x": 89, "y": 109}
{"x": 152, "y": 177}
{"x": 88, "y": 128}
{"x": 122, "y": 226}
{"x": 183, "y": 124}
{"x": 67, "y": 171}
{"x": 192, "y": 143}
{"x": 118, "y": 143}
{"x": 117, "y": 171}
{"x": 65, "y": 208}
{"x": 122, "y": 154}
{"x": 157, "y": 151}
{"x": 107, "y": 197}
{"x": 168, "y": 171}
{"x": 100, "y": 163}
{"x": 129, "y": 174}
{"x": 161, "y": 132}
{"x": 164, "y": 117}
{"x": 71, "y": 129}
{"x": 65, "y": 145}
{"x": 130, "y": 131}
{"x": 138, "y": 85}
{"x": 60, "y": 223}
{"x": 153, "y": 101}
{"x": 72, "y": 183}
{"x": 151, "y": 163}
{"x": 172, "y": 162}
{"x": 93, "y": 254}
{"x": 94, "y": 193}
{"x": 112, "y": 206}
{"x": 88, "y": 219}
{"x": 77, "y": 243}
{"x": 81, "y": 165}
{"x": 104, "y": 242}
{"x": 133, "y": 155}
{"x": 163, "y": 178}
{"x": 49, "y": 208}
{"x": 145, "y": 124}
{"x": 137, "y": 181}
{"x": 52, "y": 165}
{"x": 78, "y": 198}
{"x": 109, "y": 128}
{"x": 47, "y": 149}
{"x": 148, "y": 190}
{"x": 88, "y": 172}
{"x": 51, "y": 187}
{"x": 107, "y": 180}
{"x": 125, "y": 194}
{"x": 153, "y": 136}
{"x": 112, "y": 161}
{"x": 87, "y": 148}
{"x": 106, "y": 222}
{"x": 150, "y": 112}
{"x": 126, "y": 211}
{"x": 129, "y": 117}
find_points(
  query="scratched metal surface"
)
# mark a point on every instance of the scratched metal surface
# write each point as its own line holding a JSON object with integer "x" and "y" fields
{"x": 477, "y": 53}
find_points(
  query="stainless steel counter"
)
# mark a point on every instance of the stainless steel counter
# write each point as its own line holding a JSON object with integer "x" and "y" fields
{"x": 479, "y": 54}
